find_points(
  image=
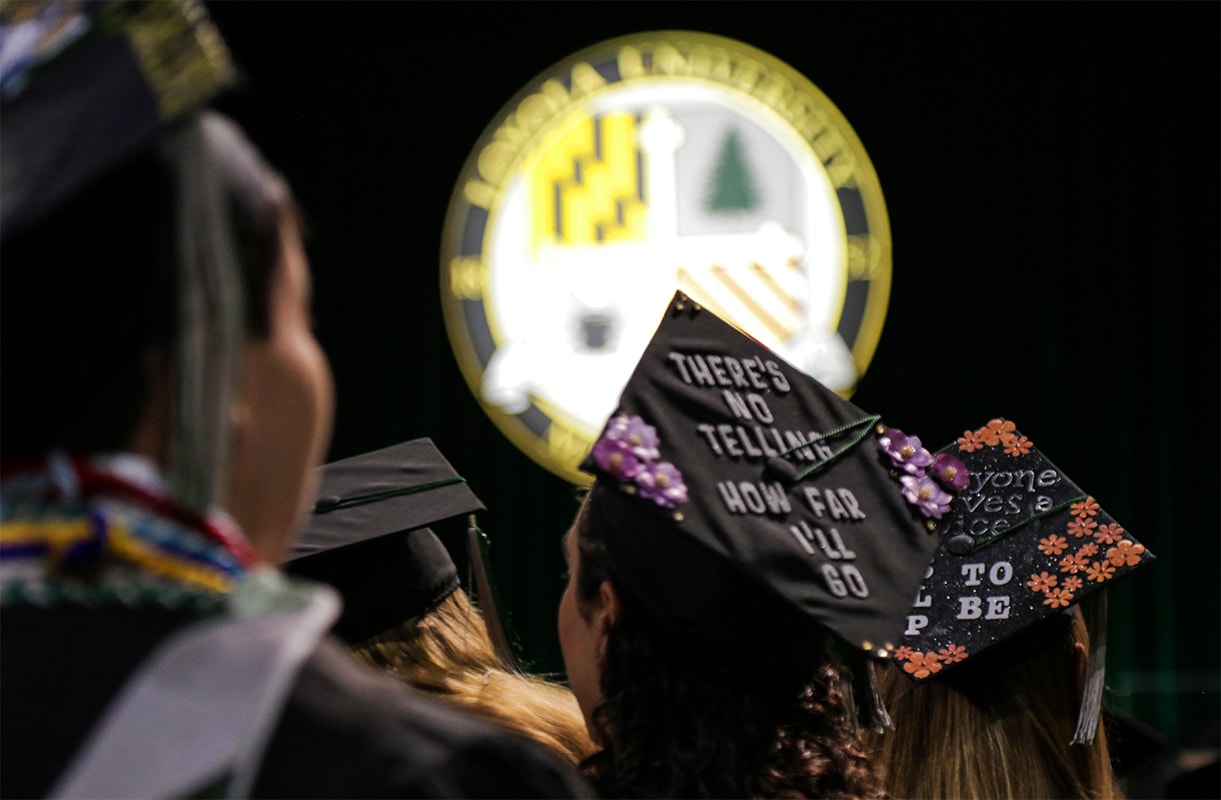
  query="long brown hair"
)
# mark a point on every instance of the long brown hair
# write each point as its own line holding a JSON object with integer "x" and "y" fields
{"x": 447, "y": 652}
{"x": 678, "y": 721}
{"x": 999, "y": 728}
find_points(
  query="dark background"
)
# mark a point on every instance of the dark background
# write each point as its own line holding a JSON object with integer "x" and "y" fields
{"x": 1051, "y": 174}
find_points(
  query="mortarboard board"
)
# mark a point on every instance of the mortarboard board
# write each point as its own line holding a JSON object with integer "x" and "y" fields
{"x": 84, "y": 83}
{"x": 368, "y": 535}
{"x": 750, "y": 507}
{"x": 1022, "y": 546}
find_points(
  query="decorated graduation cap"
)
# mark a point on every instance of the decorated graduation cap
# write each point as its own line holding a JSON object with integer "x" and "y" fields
{"x": 1022, "y": 546}
{"x": 84, "y": 83}
{"x": 368, "y": 535}
{"x": 753, "y": 509}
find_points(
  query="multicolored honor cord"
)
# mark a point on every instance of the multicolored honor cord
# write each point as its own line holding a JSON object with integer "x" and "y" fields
{"x": 71, "y": 529}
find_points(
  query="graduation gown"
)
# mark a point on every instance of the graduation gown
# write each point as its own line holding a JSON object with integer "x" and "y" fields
{"x": 345, "y": 730}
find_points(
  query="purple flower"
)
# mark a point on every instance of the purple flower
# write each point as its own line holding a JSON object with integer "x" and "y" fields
{"x": 617, "y": 459}
{"x": 950, "y": 472}
{"x": 663, "y": 484}
{"x": 926, "y": 495}
{"x": 906, "y": 452}
{"x": 635, "y": 434}
{"x": 628, "y": 452}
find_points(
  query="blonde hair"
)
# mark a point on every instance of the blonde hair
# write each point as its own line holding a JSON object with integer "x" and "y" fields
{"x": 1000, "y": 730}
{"x": 447, "y": 652}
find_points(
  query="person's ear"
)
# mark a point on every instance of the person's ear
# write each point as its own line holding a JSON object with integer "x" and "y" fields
{"x": 606, "y": 612}
{"x": 1083, "y": 661}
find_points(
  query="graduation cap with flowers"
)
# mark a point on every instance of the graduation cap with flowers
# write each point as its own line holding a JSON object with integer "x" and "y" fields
{"x": 1021, "y": 545}
{"x": 751, "y": 509}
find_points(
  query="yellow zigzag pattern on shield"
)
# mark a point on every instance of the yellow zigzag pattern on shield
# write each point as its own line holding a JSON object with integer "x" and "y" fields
{"x": 586, "y": 187}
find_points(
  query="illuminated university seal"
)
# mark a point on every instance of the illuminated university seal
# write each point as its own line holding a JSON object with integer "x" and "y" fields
{"x": 642, "y": 165}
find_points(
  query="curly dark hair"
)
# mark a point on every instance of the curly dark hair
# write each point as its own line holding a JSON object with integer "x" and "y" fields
{"x": 678, "y": 721}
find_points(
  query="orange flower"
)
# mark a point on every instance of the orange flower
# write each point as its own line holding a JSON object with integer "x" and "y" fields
{"x": 952, "y": 653}
{"x": 996, "y": 432}
{"x": 1086, "y": 508}
{"x": 902, "y": 653}
{"x": 922, "y": 665}
{"x": 1088, "y": 549}
{"x": 1080, "y": 526}
{"x": 1058, "y": 598}
{"x": 969, "y": 442}
{"x": 1074, "y": 562}
{"x": 1100, "y": 571}
{"x": 1126, "y": 554}
{"x": 1072, "y": 583}
{"x": 1109, "y": 534}
{"x": 1041, "y": 582}
{"x": 1053, "y": 545}
{"x": 1018, "y": 446}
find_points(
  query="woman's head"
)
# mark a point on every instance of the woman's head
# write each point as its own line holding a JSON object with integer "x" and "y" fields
{"x": 746, "y": 534}
{"x": 404, "y": 610}
{"x": 998, "y": 725}
{"x": 676, "y": 718}
{"x": 1007, "y": 694}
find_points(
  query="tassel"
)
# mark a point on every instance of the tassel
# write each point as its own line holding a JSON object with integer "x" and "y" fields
{"x": 848, "y": 679}
{"x": 871, "y": 711}
{"x": 485, "y": 595}
{"x": 1095, "y": 613}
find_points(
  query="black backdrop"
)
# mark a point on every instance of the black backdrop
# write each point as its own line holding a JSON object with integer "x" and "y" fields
{"x": 1051, "y": 175}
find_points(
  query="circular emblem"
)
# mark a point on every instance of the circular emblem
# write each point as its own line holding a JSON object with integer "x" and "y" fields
{"x": 638, "y": 166}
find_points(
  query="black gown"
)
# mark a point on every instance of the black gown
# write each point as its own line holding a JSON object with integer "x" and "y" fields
{"x": 345, "y": 731}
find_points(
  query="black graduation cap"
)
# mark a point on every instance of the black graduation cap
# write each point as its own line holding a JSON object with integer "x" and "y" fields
{"x": 1022, "y": 545}
{"x": 84, "y": 83}
{"x": 747, "y": 505}
{"x": 368, "y": 535}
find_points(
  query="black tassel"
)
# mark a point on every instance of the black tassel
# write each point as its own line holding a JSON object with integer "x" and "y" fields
{"x": 871, "y": 709}
{"x": 486, "y": 595}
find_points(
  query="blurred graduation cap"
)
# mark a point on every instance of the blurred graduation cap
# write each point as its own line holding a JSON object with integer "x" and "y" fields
{"x": 749, "y": 507}
{"x": 84, "y": 83}
{"x": 369, "y": 538}
{"x": 1022, "y": 546}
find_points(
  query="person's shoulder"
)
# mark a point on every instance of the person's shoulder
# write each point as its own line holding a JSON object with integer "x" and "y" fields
{"x": 350, "y": 731}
